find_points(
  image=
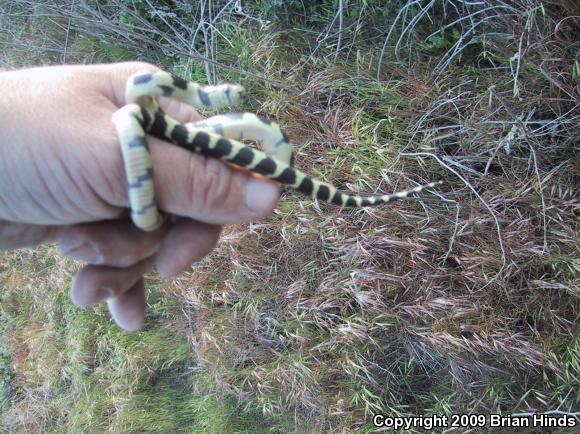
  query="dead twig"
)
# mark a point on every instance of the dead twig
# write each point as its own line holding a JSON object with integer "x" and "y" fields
{"x": 456, "y": 173}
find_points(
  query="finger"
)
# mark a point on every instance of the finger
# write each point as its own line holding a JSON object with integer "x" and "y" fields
{"x": 115, "y": 243}
{"x": 187, "y": 241}
{"x": 118, "y": 74}
{"x": 128, "y": 308}
{"x": 180, "y": 111}
{"x": 19, "y": 235}
{"x": 206, "y": 189}
{"x": 96, "y": 283}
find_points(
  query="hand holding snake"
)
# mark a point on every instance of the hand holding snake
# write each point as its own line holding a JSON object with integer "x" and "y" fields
{"x": 62, "y": 180}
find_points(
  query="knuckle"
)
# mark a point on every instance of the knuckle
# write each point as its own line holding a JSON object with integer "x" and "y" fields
{"x": 210, "y": 183}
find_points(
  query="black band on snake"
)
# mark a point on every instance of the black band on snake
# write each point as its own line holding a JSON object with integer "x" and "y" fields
{"x": 219, "y": 137}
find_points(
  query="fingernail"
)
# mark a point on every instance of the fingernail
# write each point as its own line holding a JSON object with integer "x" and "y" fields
{"x": 260, "y": 196}
{"x": 86, "y": 252}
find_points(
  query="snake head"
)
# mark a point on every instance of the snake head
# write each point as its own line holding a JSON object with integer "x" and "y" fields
{"x": 236, "y": 94}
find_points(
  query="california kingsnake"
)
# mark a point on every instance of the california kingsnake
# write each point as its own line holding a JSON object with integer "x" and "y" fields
{"x": 218, "y": 136}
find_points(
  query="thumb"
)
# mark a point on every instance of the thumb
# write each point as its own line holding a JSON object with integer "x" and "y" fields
{"x": 207, "y": 189}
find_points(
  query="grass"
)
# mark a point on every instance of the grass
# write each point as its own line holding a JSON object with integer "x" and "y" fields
{"x": 311, "y": 320}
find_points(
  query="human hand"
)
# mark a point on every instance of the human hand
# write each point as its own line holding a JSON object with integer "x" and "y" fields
{"x": 62, "y": 180}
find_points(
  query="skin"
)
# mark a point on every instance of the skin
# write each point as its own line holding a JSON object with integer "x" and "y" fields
{"x": 62, "y": 180}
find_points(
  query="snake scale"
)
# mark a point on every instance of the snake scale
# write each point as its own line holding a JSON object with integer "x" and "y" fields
{"x": 218, "y": 136}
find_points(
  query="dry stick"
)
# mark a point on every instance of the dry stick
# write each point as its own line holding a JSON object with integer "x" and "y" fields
{"x": 461, "y": 166}
{"x": 213, "y": 42}
{"x": 535, "y": 159}
{"x": 320, "y": 39}
{"x": 201, "y": 28}
{"x": 357, "y": 28}
{"x": 545, "y": 220}
{"x": 339, "y": 42}
{"x": 382, "y": 54}
{"x": 558, "y": 84}
{"x": 191, "y": 50}
{"x": 412, "y": 24}
{"x": 457, "y": 48}
{"x": 104, "y": 23}
{"x": 470, "y": 17}
{"x": 564, "y": 400}
{"x": 126, "y": 33}
{"x": 453, "y": 237}
{"x": 548, "y": 123}
{"x": 439, "y": 103}
{"x": 28, "y": 47}
{"x": 442, "y": 102}
{"x": 221, "y": 11}
{"x": 190, "y": 43}
{"x": 147, "y": 25}
{"x": 517, "y": 72}
{"x": 202, "y": 22}
{"x": 500, "y": 239}
{"x": 451, "y": 53}
{"x": 159, "y": 16}
{"x": 65, "y": 48}
{"x": 176, "y": 33}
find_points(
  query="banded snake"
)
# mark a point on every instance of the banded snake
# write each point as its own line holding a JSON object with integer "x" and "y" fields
{"x": 218, "y": 136}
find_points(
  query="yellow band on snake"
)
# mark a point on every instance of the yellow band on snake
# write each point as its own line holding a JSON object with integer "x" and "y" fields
{"x": 219, "y": 137}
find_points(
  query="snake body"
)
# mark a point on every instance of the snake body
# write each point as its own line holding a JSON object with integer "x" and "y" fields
{"x": 218, "y": 136}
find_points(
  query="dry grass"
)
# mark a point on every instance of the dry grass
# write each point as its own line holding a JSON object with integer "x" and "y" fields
{"x": 464, "y": 300}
